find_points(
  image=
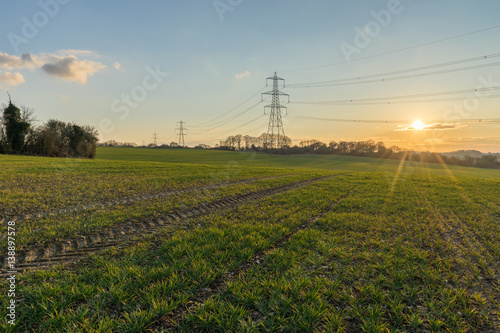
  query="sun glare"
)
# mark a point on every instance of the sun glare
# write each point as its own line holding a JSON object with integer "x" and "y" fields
{"x": 418, "y": 125}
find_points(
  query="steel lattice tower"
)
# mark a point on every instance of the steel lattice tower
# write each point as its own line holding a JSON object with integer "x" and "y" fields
{"x": 275, "y": 130}
{"x": 181, "y": 130}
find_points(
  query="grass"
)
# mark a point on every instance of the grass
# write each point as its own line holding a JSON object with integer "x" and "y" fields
{"x": 358, "y": 252}
{"x": 158, "y": 274}
{"x": 70, "y": 225}
{"x": 32, "y": 184}
{"x": 306, "y": 161}
{"x": 372, "y": 270}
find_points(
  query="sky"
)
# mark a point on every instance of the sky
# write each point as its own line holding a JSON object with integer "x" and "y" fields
{"x": 134, "y": 69}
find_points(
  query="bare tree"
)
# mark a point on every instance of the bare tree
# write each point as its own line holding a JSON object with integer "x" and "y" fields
{"x": 237, "y": 140}
{"x": 28, "y": 114}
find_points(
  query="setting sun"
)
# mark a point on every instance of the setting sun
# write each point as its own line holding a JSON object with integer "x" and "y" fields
{"x": 418, "y": 125}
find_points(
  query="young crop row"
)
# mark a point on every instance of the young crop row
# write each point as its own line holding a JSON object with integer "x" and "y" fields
{"x": 70, "y": 225}
{"x": 417, "y": 256}
{"x": 134, "y": 288}
{"x": 378, "y": 262}
{"x": 29, "y": 185}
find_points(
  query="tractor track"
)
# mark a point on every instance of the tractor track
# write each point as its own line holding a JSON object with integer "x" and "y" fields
{"x": 172, "y": 320}
{"x": 127, "y": 200}
{"x": 73, "y": 250}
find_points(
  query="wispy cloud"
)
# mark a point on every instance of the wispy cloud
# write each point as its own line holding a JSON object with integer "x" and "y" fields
{"x": 118, "y": 66}
{"x": 477, "y": 139}
{"x": 85, "y": 53}
{"x": 242, "y": 75}
{"x": 434, "y": 126}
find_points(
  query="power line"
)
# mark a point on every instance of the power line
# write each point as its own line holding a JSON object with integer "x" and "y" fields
{"x": 239, "y": 114}
{"x": 231, "y": 110}
{"x": 171, "y": 135}
{"x": 388, "y": 100}
{"x": 256, "y": 128}
{"x": 419, "y": 101}
{"x": 366, "y": 79}
{"x": 463, "y": 121}
{"x": 399, "y": 77}
{"x": 393, "y": 51}
{"x": 230, "y": 119}
{"x": 241, "y": 126}
{"x": 449, "y": 63}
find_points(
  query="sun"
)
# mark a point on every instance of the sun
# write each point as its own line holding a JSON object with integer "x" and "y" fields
{"x": 418, "y": 125}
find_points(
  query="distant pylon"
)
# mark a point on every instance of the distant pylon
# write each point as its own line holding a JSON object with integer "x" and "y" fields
{"x": 275, "y": 131}
{"x": 181, "y": 130}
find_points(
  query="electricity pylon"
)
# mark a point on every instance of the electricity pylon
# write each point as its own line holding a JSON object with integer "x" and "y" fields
{"x": 275, "y": 131}
{"x": 181, "y": 130}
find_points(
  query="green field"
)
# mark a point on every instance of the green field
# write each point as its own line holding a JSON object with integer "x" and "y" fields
{"x": 152, "y": 240}
{"x": 309, "y": 161}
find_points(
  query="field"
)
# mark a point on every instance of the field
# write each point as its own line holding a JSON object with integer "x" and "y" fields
{"x": 307, "y": 161}
{"x": 186, "y": 240}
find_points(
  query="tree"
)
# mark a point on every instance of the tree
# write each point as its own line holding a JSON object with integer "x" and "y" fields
{"x": 15, "y": 128}
{"x": 82, "y": 141}
{"x": 28, "y": 114}
{"x": 381, "y": 149}
{"x": 342, "y": 147}
{"x": 333, "y": 146}
{"x": 486, "y": 161}
{"x": 237, "y": 140}
{"x": 247, "y": 139}
{"x": 54, "y": 138}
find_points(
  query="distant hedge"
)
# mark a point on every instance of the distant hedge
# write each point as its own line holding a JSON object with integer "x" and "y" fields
{"x": 54, "y": 138}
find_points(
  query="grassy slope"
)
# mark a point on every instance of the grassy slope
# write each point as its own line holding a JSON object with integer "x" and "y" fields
{"x": 325, "y": 162}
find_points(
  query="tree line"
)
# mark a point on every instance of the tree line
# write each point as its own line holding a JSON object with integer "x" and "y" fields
{"x": 55, "y": 138}
{"x": 247, "y": 142}
{"x": 367, "y": 148}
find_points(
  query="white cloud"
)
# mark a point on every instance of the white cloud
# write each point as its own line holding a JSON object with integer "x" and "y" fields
{"x": 12, "y": 79}
{"x": 71, "y": 69}
{"x": 118, "y": 66}
{"x": 63, "y": 64}
{"x": 26, "y": 60}
{"x": 10, "y": 62}
{"x": 242, "y": 75}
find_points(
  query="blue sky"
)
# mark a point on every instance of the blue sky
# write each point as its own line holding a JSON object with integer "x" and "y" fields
{"x": 86, "y": 55}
